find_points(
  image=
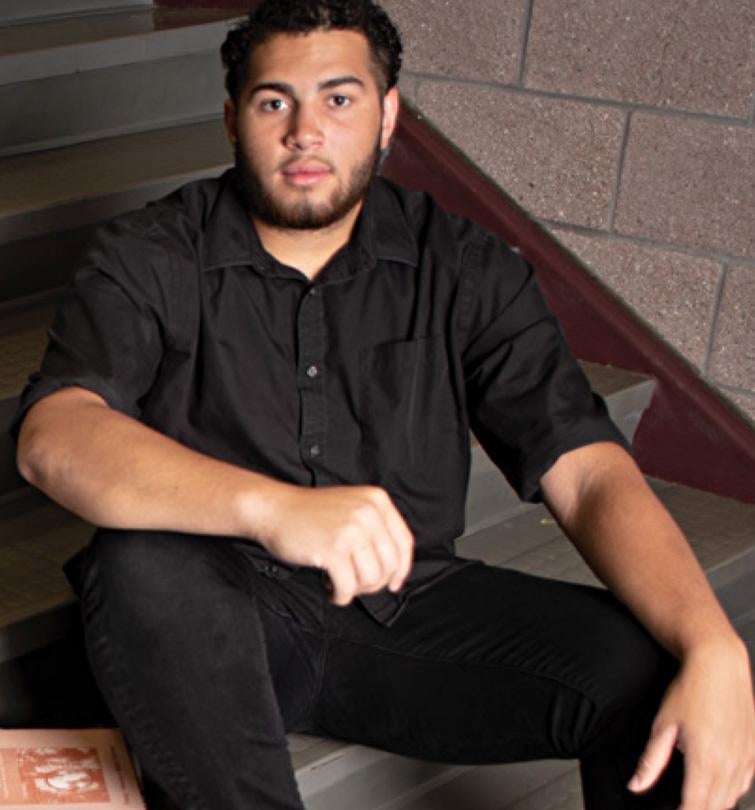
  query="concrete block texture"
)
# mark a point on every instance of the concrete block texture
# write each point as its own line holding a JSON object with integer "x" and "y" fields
{"x": 674, "y": 292}
{"x": 732, "y": 359}
{"x": 746, "y": 404}
{"x": 689, "y": 183}
{"x": 484, "y": 43}
{"x": 557, "y": 158}
{"x": 693, "y": 55}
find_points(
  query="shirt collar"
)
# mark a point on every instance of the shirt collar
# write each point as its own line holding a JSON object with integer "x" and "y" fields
{"x": 381, "y": 233}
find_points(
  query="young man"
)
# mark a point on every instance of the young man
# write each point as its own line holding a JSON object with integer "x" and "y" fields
{"x": 261, "y": 389}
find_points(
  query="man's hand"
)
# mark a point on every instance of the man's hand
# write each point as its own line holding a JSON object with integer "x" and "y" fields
{"x": 708, "y": 714}
{"x": 355, "y": 533}
{"x": 630, "y": 541}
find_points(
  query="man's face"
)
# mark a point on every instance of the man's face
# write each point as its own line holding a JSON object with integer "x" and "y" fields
{"x": 309, "y": 128}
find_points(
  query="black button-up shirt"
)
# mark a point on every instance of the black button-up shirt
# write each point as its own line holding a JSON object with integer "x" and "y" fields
{"x": 423, "y": 326}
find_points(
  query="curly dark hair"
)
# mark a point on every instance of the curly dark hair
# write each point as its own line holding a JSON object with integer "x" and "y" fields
{"x": 302, "y": 16}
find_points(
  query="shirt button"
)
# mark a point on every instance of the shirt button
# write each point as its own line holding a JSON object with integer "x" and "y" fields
{"x": 312, "y": 372}
{"x": 312, "y": 291}
{"x": 314, "y": 450}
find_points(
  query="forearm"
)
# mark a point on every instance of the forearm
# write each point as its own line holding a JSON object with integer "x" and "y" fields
{"x": 634, "y": 546}
{"x": 115, "y": 472}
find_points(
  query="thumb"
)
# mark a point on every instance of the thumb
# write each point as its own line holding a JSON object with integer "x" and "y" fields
{"x": 654, "y": 759}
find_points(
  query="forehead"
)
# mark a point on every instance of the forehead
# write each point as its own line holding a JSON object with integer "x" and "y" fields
{"x": 296, "y": 58}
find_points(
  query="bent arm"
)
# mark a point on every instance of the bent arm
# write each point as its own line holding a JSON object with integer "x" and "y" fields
{"x": 631, "y": 542}
{"x": 609, "y": 512}
{"x": 116, "y": 472}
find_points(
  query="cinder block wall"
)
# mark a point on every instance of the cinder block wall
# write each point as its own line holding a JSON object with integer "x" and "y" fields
{"x": 627, "y": 128}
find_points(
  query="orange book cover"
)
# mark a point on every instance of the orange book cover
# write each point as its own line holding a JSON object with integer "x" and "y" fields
{"x": 79, "y": 769}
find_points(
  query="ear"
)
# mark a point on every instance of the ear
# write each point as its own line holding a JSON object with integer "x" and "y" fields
{"x": 229, "y": 113}
{"x": 391, "y": 106}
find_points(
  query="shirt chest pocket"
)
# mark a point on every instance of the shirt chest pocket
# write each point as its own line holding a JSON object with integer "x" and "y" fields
{"x": 407, "y": 403}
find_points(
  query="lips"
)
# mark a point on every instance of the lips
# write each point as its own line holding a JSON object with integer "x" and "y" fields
{"x": 305, "y": 173}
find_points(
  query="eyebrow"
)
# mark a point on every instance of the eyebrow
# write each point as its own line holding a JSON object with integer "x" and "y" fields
{"x": 287, "y": 89}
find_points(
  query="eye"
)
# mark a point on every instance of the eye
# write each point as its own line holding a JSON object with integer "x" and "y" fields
{"x": 273, "y": 105}
{"x": 339, "y": 100}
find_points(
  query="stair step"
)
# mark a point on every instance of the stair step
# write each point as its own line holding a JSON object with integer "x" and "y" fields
{"x": 50, "y": 201}
{"x": 720, "y": 530}
{"x": 23, "y": 337}
{"x": 86, "y": 183}
{"x": 136, "y": 71}
{"x": 55, "y": 47}
{"x": 24, "y": 11}
{"x": 355, "y": 776}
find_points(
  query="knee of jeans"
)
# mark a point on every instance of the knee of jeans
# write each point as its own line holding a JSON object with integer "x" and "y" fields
{"x": 634, "y": 669}
{"x": 135, "y": 572}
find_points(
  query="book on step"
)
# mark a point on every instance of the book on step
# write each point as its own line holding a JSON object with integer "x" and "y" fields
{"x": 79, "y": 769}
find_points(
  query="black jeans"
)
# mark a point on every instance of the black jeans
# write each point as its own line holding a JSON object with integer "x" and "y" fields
{"x": 207, "y": 663}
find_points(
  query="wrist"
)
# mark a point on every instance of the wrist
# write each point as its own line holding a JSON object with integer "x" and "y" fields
{"x": 716, "y": 647}
{"x": 256, "y": 507}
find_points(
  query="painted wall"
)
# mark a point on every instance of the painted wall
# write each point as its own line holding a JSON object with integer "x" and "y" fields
{"x": 627, "y": 128}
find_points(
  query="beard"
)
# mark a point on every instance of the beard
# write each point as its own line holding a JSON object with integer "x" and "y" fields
{"x": 306, "y": 214}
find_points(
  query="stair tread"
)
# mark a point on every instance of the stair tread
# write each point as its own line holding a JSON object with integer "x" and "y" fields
{"x": 720, "y": 531}
{"x": 34, "y": 188}
{"x": 45, "y": 48}
{"x": 26, "y": 12}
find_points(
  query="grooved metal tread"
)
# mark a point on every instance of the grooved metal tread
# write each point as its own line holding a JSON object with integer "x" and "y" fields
{"x": 78, "y": 43}
{"x": 79, "y": 185}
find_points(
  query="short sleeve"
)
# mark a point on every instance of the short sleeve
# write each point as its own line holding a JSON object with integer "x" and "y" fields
{"x": 108, "y": 332}
{"x": 527, "y": 397}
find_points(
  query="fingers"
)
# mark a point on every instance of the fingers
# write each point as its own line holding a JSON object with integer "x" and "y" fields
{"x": 343, "y": 581}
{"x": 372, "y": 551}
{"x": 404, "y": 543}
{"x": 709, "y": 782}
{"x": 654, "y": 759}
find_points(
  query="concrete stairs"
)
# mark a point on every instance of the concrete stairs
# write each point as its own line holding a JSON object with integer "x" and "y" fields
{"x": 113, "y": 104}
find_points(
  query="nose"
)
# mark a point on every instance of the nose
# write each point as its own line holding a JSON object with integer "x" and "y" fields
{"x": 304, "y": 131}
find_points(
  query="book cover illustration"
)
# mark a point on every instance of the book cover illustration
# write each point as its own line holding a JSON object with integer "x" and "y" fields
{"x": 79, "y": 769}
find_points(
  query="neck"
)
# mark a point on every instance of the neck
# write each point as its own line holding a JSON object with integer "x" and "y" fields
{"x": 307, "y": 250}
